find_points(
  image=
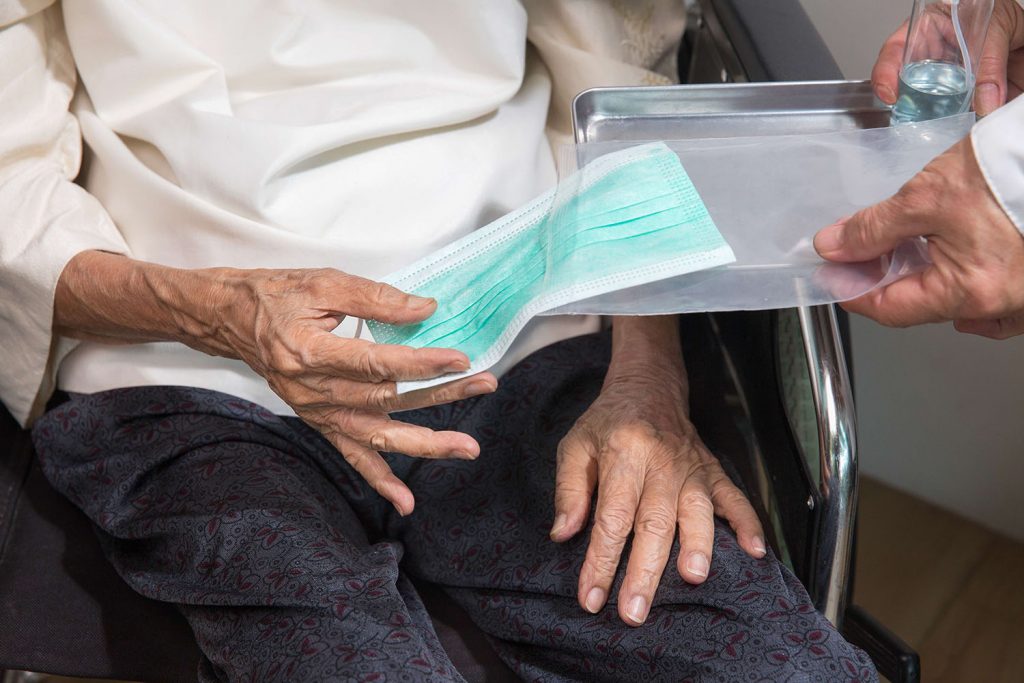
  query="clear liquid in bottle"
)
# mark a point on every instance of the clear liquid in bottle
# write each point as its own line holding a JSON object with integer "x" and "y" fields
{"x": 931, "y": 90}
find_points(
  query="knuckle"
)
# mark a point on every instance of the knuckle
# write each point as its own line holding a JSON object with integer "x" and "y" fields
{"x": 367, "y": 363}
{"x": 988, "y": 297}
{"x": 345, "y": 420}
{"x": 629, "y": 435}
{"x": 991, "y": 66}
{"x": 656, "y": 523}
{"x": 355, "y": 457}
{"x": 378, "y": 441}
{"x": 446, "y": 393}
{"x": 382, "y": 396}
{"x": 322, "y": 283}
{"x": 318, "y": 277}
{"x": 384, "y": 294}
{"x": 604, "y": 562}
{"x": 310, "y": 354}
{"x": 566, "y": 498}
{"x": 696, "y": 503}
{"x": 646, "y": 576}
{"x": 286, "y": 362}
{"x": 614, "y": 522}
{"x": 343, "y": 284}
{"x": 731, "y": 496}
{"x": 570, "y": 487}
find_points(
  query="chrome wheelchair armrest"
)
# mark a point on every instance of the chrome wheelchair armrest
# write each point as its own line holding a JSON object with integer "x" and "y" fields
{"x": 832, "y": 395}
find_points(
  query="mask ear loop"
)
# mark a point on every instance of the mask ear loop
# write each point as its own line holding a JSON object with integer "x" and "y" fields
{"x": 962, "y": 45}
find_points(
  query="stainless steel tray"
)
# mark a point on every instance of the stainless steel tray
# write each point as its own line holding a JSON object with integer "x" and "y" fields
{"x": 735, "y": 110}
{"x": 725, "y": 110}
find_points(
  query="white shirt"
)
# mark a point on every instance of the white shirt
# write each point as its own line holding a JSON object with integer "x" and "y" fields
{"x": 290, "y": 134}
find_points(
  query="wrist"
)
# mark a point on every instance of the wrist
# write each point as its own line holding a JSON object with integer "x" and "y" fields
{"x": 647, "y": 349}
{"x": 115, "y": 299}
{"x": 200, "y": 306}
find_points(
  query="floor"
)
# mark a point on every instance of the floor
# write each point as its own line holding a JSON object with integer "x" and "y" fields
{"x": 950, "y": 588}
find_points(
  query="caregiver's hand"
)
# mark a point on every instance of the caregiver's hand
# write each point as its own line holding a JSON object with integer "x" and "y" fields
{"x": 977, "y": 276}
{"x": 279, "y": 322}
{"x": 652, "y": 473}
{"x": 1000, "y": 72}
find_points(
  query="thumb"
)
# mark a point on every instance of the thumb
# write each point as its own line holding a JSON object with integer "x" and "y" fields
{"x": 885, "y": 76}
{"x": 864, "y": 236}
{"x": 575, "y": 479}
{"x": 990, "y": 93}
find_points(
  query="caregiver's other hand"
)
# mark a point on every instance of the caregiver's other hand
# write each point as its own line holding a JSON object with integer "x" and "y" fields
{"x": 1000, "y": 72}
{"x": 977, "y": 276}
{"x": 279, "y": 322}
{"x": 653, "y": 476}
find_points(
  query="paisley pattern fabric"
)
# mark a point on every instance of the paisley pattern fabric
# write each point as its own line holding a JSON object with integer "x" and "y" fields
{"x": 290, "y": 568}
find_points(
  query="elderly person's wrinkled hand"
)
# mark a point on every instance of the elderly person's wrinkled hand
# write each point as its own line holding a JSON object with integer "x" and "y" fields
{"x": 977, "y": 274}
{"x": 1000, "y": 71}
{"x": 652, "y": 473}
{"x": 279, "y": 322}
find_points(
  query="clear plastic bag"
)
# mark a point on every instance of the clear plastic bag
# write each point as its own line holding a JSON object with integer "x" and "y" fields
{"x": 768, "y": 196}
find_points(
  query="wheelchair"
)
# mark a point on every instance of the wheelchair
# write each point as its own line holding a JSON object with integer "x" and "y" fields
{"x": 770, "y": 392}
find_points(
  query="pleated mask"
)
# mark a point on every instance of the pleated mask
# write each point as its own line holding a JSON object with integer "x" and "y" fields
{"x": 625, "y": 219}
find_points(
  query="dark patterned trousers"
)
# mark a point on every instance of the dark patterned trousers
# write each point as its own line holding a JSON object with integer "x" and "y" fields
{"x": 290, "y": 568}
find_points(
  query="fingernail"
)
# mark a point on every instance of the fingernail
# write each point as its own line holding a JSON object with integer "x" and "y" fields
{"x": 759, "y": 546}
{"x": 477, "y": 388}
{"x": 988, "y": 98}
{"x": 418, "y": 302}
{"x": 460, "y": 365}
{"x": 886, "y": 94}
{"x": 830, "y": 239}
{"x": 595, "y": 600}
{"x": 637, "y": 609}
{"x": 465, "y": 455}
{"x": 697, "y": 563}
{"x": 560, "y": 520}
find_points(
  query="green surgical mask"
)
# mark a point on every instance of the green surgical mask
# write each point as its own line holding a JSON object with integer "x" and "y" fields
{"x": 625, "y": 219}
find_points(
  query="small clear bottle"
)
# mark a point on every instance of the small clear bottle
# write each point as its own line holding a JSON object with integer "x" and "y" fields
{"x": 940, "y": 60}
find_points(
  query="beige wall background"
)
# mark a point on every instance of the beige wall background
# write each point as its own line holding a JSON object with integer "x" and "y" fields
{"x": 940, "y": 414}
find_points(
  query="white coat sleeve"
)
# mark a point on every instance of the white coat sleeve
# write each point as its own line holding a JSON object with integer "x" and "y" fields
{"x": 45, "y": 218}
{"x": 999, "y": 147}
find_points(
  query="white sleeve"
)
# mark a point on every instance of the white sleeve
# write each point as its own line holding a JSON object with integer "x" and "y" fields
{"x": 45, "y": 219}
{"x": 999, "y": 147}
